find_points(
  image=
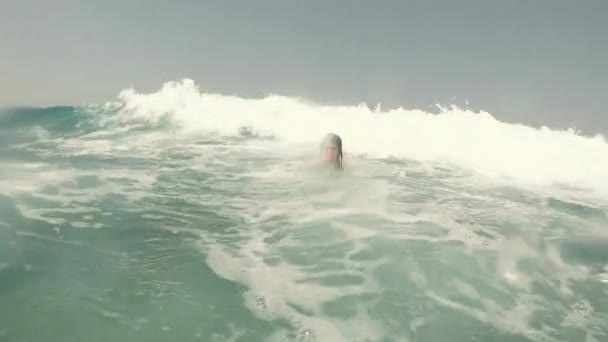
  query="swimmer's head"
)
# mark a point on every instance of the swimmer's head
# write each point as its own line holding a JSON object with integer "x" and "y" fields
{"x": 331, "y": 150}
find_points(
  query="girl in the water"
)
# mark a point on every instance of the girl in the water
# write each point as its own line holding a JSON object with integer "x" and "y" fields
{"x": 331, "y": 151}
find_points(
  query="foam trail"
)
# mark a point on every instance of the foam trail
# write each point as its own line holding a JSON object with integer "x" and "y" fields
{"x": 472, "y": 140}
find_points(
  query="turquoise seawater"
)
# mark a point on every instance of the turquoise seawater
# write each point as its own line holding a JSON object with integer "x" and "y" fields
{"x": 141, "y": 232}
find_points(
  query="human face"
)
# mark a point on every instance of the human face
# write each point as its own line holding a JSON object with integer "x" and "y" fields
{"x": 330, "y": 153}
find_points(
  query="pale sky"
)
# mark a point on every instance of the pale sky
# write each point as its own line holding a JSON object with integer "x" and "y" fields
{"x": 530, "y": 61}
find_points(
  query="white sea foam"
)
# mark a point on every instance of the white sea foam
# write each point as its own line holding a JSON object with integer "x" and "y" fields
{"x": 473, "y": 140}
